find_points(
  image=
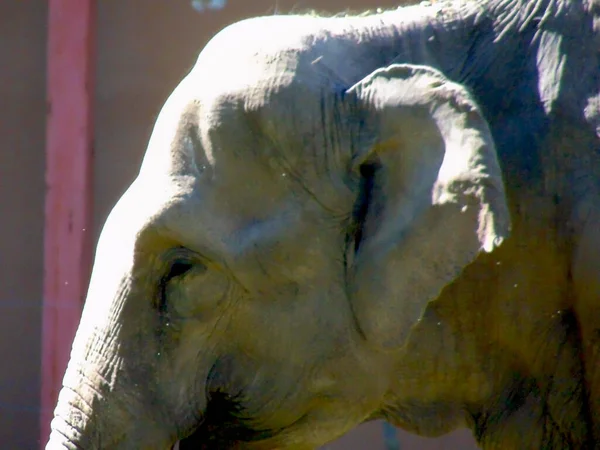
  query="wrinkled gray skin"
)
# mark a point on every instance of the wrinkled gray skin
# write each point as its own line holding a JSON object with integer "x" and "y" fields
{"x": 319, "y": 236}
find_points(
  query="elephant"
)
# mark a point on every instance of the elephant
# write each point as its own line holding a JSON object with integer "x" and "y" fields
{"x": 349, "y": 218}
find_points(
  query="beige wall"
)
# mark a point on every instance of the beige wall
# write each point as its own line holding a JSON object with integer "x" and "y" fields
{"x": 144, "y": 49}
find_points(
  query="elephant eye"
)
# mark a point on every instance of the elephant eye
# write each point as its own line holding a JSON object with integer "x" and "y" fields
{"x": 178, "y": 268}
{"x": 181, "y": 263}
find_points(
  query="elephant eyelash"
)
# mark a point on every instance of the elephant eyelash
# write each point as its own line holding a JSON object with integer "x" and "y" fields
{"x": 178, "y": 269}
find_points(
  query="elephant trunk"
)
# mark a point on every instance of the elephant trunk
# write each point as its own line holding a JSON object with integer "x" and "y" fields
{"x": 64, "y": 435}
{"x": 92, "y": 413}
{"x": 69, "y": 430}
{"x": 102, "y": 402}
{"x": 76, "y": 423}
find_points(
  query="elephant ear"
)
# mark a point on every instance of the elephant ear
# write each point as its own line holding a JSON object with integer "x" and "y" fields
{"x": 432, "y": 195}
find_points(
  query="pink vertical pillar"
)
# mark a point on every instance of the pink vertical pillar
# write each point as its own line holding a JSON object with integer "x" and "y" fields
{"x": 68, "y": 213}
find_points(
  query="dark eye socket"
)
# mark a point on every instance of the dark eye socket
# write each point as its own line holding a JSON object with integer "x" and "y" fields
{"x": 182, "y": 261}
{"x": 362, "y": 203}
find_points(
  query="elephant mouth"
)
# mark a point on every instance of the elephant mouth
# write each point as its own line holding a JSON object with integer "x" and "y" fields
{"x": 222, "y": 427}
{"x": 222, "y": 439}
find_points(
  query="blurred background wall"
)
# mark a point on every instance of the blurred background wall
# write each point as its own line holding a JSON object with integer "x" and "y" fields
{"x": 144, "y": 49}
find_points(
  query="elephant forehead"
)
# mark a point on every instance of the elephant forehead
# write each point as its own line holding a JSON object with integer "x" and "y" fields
{"x": 282, "y": 146}
{"x": 245, "y": 196}
{"x": 284, "y": 235}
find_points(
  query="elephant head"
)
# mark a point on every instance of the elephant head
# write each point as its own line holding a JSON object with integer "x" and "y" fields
{"x": 253, "y": 286}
